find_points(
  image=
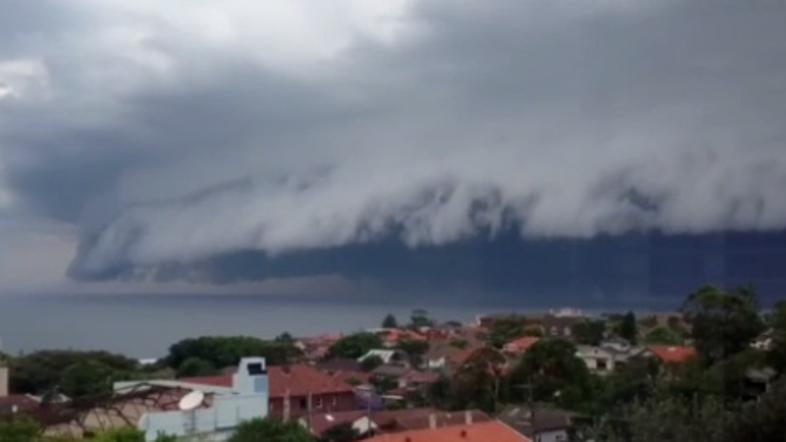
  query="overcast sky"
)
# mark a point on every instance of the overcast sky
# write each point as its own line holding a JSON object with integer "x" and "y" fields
{"x": 141, "y": 135}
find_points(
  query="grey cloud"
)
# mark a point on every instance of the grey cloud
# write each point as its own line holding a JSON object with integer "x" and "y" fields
{"x": 555, "y": 118}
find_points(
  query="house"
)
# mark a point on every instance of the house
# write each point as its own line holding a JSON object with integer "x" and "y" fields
{"x": 388, "y": 356}
{"x": 218, "y": 408}
{"x": 392, "y": 337}
{"x": 546, "y": 424}
{"x": 391, "y": 421}
{"x": 449, "y": 354}
{"x": 11, "y": 404}
{"x": 609, "y": 355}
{"x": 597, "y": 359}
{"x": 764, "y": 341}
{"x": 491, "y": 431}
{"x": 318, "y": 347}
{"x": 18, "y": 404}
{"x": 673, "y": 354}
{"x": 347, "y": 371}
{"x": 519, "y": 346}
{"x": 296, "y": 389}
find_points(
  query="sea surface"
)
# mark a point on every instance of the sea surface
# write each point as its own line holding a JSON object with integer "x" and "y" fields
{"x": 143, "y": 326}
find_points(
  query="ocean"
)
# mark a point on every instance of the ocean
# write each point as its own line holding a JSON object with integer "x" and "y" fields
{"x": 144, "y": 326}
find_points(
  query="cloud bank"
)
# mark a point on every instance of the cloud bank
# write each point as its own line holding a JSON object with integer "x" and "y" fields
{"x": 172, "y": 133}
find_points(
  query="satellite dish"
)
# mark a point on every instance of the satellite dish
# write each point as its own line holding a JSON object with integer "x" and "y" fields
{"x": 191, "y": 401}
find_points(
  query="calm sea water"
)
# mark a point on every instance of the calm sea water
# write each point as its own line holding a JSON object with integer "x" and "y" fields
{"x": 144, "y": 326}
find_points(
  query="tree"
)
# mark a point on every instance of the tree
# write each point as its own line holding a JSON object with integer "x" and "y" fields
{"x": 121, "y": 435}
{"x": 225, "y": 351}
{"x": 284, "y": 338}
{"x": 19, "y": 430}
{"x": 552, "y": 370}
{"x": 88, "y": 378}
{"x": 723, "y": 323}
{"x": 763, "y": 420}
{"x": 340, "y": 433}
{"x": 663, "y": 336}
{"x": 589, "y": 332}
{"x": 628, "y": 329}
{"x": 42, "y": 372}
{"x": 674, "y": 419}
{"x": 194, "y": 366}
{"x": 371, "y": 362}
{"x": 505, "y": 330}
{"x": 355, "y": 345}
{"x": 389, "y": 321}
{"x": 777, "y": 321}
{"x": 420, "y": 318}
{"x": 270, "y": 430}
{"x": 478, "y": 381}
{"x": 414, "y": 349}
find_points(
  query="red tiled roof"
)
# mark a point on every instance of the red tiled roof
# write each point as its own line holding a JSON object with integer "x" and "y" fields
{"x": 324, "y": 421}
{"x": 421, "y": 377}
{"x": 492, "y": 431}
{"x": 521, "y": 345}
{"x": 22, "y": 402}
{"x": 391, "y": 421}
{"x": 297, "y": 380}
{"x": 673, "y": 354}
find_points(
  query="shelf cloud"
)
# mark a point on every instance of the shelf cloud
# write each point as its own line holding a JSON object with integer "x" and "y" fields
{"x": 172, "y": 133}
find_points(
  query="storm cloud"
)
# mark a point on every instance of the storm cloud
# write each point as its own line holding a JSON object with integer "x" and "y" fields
{"x": 170, "y": 134}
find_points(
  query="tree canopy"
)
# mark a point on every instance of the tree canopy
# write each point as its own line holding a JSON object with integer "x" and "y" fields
{"x": 270, "y": 430}
{"x": 355, "y": 345}
{"x": 663, "y": 336}
{"x": 389, "y": 321}
{"x": 505, "y": 330}
{"x": 589, "y": 332}
{"x": 628, "y": 329}
{"x": 87, "y": 378}
{"x": 552, "y": 371}
{"x": 723, "y": 323}
{"x": 42, "y": 372}
{"x": 224, "y": 351}
{"x": 420, "y": 318}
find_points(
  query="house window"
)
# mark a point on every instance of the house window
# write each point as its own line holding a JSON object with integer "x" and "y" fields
{"x": 601, "y": 364}
{"x": 318, "y": 402}
{"x": 334, "y": 401}
{"x": 303, "y": 403}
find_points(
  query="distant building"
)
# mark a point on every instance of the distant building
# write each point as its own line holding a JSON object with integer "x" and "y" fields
{"x": 295, "y": 390}
{"x": 606, "y": 357}
{"x": 598, "y": 360}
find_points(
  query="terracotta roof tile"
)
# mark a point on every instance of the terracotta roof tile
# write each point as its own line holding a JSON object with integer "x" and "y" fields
{"x": 492, "y": 431}
{"x": 520, "y": 345}
{"x": 673, "y": 354}
{"x": 297, "y": 380}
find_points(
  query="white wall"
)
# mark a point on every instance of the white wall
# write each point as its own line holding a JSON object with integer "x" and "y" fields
{"x": 3, "y": 381}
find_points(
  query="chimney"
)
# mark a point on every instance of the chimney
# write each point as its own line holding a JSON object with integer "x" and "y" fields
{"x": 3, "y": 381}
{"x": 432, "y": 421}
{"x": 468, "y": 417}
